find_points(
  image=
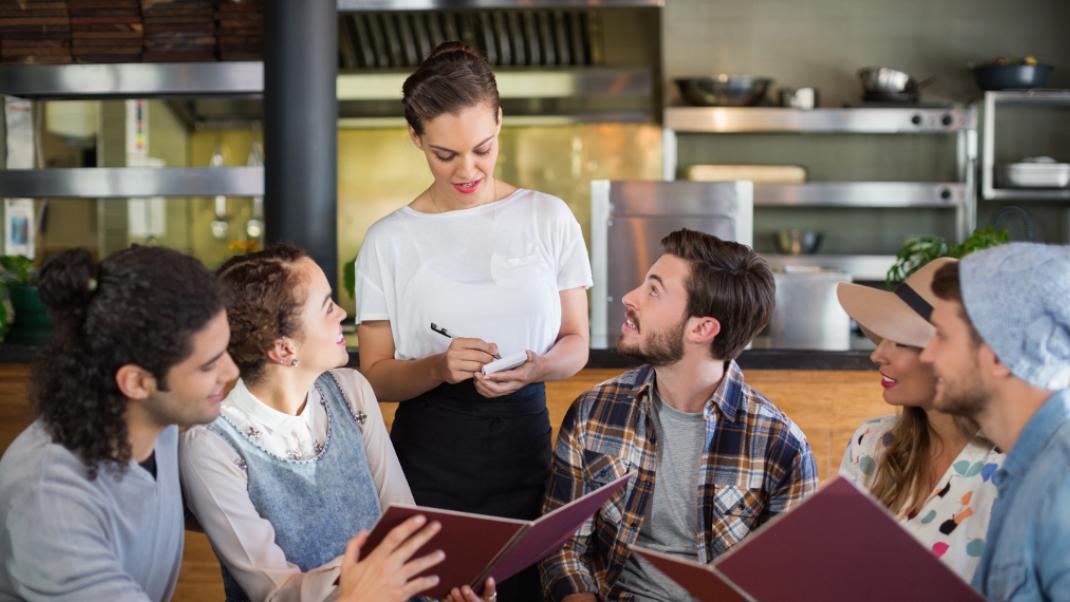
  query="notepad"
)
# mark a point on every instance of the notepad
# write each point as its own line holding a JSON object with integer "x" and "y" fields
{"x": 839, "y": 544}
{"x": 478, "y": 546}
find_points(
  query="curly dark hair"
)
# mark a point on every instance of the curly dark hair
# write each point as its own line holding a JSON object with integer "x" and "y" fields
{"x": 264, "y": 304}
{"x": 139, "y": 306}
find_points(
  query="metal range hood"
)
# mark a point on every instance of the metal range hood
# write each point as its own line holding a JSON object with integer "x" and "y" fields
{"x": 557, "y": 61}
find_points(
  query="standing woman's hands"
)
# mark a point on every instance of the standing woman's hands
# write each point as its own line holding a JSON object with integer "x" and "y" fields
{"x": 389, "y": 573}
{"x": 464, "y": 359}
{"x": 511, "y": 381}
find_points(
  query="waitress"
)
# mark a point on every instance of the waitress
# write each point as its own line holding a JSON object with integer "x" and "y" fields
{"x": 471, "y": 270}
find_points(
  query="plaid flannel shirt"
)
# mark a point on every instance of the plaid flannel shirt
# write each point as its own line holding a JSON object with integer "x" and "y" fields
{"x": 756, "y": 463}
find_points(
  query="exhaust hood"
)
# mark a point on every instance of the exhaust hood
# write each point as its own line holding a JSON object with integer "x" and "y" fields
{"x": 563, "y": 61}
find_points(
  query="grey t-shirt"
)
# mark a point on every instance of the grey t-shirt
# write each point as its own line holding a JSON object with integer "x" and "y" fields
{"x": 68, "y": 538}
{"x": 671, "y": 524}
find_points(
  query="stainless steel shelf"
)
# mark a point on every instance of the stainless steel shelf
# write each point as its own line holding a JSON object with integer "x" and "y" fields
{"x": 371, "y": 5}
{"x": 1029, "y": 97}
{"x": 127, "y": 182}
{"x": 135, "y": 80}
{"x": 739, "y": 120}
{"x": 941, "y": 195}
{"x": 1026, "y": 194}
{"x": 513, "y": 83}
{"x": 860, "y": 267}
{"x": 1014, "y": 98}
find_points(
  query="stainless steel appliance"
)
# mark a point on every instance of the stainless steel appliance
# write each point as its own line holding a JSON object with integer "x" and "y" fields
{"x": 628, "y": 221}
{"x": 807, "y": 314}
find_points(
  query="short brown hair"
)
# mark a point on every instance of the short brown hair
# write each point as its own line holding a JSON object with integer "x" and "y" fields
{"x": 947, "y": 286}
{"x": 452, "y": 78}
{"x": 729, "y": 282}
{"x": 264, "y": 304}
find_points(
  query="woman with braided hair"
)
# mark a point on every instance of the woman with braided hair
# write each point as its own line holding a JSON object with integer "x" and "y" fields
{"x": 299, "y": 462}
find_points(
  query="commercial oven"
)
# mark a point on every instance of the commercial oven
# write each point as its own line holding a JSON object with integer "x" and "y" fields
{"x": 629, "y": 219}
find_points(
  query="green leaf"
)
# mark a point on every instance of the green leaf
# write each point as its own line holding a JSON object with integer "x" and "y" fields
{"x": 17, "y": 267}
{"x": 917, "y": 252}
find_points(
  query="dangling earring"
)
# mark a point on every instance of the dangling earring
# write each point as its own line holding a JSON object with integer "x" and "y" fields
{"x": 293, "y": 363}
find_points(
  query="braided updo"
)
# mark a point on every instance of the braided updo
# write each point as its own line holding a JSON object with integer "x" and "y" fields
{"x": 264, "y": 304}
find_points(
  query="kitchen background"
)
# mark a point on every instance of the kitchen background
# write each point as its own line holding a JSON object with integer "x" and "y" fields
{"x": 560, "y": 145}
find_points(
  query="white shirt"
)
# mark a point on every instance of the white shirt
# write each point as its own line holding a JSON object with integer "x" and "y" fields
{"x": 215, "y": 484}
{"x": 953, "y": 522}
{"x": 493, "y": 272}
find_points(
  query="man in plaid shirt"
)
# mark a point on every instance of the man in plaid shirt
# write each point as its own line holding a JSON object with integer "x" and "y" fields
{"x": 712, "y": 458}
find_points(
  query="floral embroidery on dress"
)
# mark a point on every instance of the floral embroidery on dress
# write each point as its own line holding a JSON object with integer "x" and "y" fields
{"x": 318, "y": 447}
{"x": 240, "y": 463}
{"x": 293, "y": 454}
{"x": 253, "y": 433}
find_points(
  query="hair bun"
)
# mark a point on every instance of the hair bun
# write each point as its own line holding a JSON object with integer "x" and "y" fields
{"x": 454, "y": 47}
{"x": 66, "y": 282}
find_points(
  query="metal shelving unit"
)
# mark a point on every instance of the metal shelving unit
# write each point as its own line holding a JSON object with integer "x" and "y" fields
{"x": 127, "y": 182}
{"x": 1015, "y": 98}
{"x": 131, "y": 80}
{"x": 860, "y": 267}
{"x": 738, "y": 120}
{"x": 960, "y": 196}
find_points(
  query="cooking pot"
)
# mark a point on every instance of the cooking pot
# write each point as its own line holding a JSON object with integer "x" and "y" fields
{"x": 883, "y": 84}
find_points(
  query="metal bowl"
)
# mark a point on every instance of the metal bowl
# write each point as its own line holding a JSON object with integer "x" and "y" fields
{"x": 724, "y": 90}
{"x": 798, "y": 242}
{"x": 885, "y": 84}
{"x": 1012, "y": 77}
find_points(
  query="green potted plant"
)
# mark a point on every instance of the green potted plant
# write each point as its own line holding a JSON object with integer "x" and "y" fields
{"x": 917, "y": 252}
{"x": 31, "y": 323}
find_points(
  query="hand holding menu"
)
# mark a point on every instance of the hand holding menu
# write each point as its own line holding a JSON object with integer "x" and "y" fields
{"x": 839, "y": 544}
{"x": 479, "y": 546}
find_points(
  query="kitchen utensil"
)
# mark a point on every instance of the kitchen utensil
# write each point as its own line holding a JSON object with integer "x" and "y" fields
{"x": 1012, "y": 77}
{"x": 1019, "y": 223}
{"x": 883, "y": 84}
{"x": 724, "y": 90}
{"x": 1035, "y": 172}
{"x": 219, "y": 226}
{"x": 798, "y": 242}
{"x": 798, "y": 98}
{"x": 254, "y": 227}
{"x": 765, "y": 174}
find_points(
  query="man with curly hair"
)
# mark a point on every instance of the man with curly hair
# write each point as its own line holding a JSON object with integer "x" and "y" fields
{"x": 90, "y": 501}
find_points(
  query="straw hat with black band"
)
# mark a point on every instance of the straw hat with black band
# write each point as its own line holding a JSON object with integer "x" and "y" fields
{"x": 902, "y": 315}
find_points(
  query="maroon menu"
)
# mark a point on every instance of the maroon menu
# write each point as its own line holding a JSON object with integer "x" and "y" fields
{"x": 702, "y": 581}
{"x": 478, "y": 546}
{"x": 839, "y": 544}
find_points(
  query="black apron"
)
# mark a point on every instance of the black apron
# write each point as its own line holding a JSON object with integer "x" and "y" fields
{"x": 462, "y": 451}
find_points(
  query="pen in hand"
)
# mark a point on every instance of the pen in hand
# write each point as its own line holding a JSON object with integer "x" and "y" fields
{"x": 442, "y": 331}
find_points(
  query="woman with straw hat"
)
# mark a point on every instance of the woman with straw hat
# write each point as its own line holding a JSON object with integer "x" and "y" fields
{"x": 933, "y": 471}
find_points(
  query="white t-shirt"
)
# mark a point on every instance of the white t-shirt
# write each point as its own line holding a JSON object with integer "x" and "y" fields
{"x": 492, "y": 272}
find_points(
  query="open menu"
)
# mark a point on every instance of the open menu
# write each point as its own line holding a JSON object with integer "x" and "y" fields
{"x": 479, "y": 546}
{"x": 839, "y": 544}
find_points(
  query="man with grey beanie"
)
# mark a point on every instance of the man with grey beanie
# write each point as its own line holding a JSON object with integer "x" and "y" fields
{"x": 1001, "y": 354}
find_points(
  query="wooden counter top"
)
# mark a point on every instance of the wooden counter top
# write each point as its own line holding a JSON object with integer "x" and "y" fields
{"x": 826, "y": 404}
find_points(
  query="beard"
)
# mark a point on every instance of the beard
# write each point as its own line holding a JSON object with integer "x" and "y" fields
{"x": 664, "y": 347}
{"x": 961, "y": 398}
